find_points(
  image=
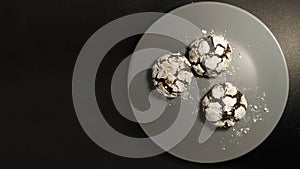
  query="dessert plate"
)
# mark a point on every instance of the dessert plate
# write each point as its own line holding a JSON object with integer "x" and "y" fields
{"x": 258, "y": 69}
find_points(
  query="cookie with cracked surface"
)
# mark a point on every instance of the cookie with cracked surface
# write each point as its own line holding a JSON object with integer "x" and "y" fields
{"x": 224, "y": 105}
{"x": 171, "y": 74}
{"x": 210, "y": 56}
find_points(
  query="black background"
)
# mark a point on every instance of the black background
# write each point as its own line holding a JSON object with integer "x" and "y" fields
{"x": 40, "y": 41}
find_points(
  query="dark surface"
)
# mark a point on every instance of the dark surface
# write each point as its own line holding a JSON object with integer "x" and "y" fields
{"x": 40, "y": 43}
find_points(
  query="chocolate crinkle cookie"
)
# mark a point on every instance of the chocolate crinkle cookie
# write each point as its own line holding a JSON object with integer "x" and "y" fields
{"x": 224, "y": 105}
{"x": 171, "y": 74}
{"x": 210, "y": 55}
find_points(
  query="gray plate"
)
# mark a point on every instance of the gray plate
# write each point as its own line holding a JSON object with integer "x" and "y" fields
{"x": 258, "y": 69}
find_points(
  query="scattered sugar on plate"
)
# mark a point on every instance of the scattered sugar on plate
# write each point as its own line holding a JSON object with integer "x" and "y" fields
{"x": 256, "y": 111}
{"x": 240, "y": 55}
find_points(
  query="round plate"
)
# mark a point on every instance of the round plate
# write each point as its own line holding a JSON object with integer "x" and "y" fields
{"x": 258, "y": 69}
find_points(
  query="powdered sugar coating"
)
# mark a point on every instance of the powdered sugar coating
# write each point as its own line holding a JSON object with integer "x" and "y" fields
{"x": 210, "y": 55}
{"x": 224, "y": 105}
{"x": 171, "y": 74}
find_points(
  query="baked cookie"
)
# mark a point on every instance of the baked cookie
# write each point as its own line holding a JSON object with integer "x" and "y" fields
{"x": 224, "y": 105}
{"x": 171, "y": 74}
{"x": 210, "y": 55}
